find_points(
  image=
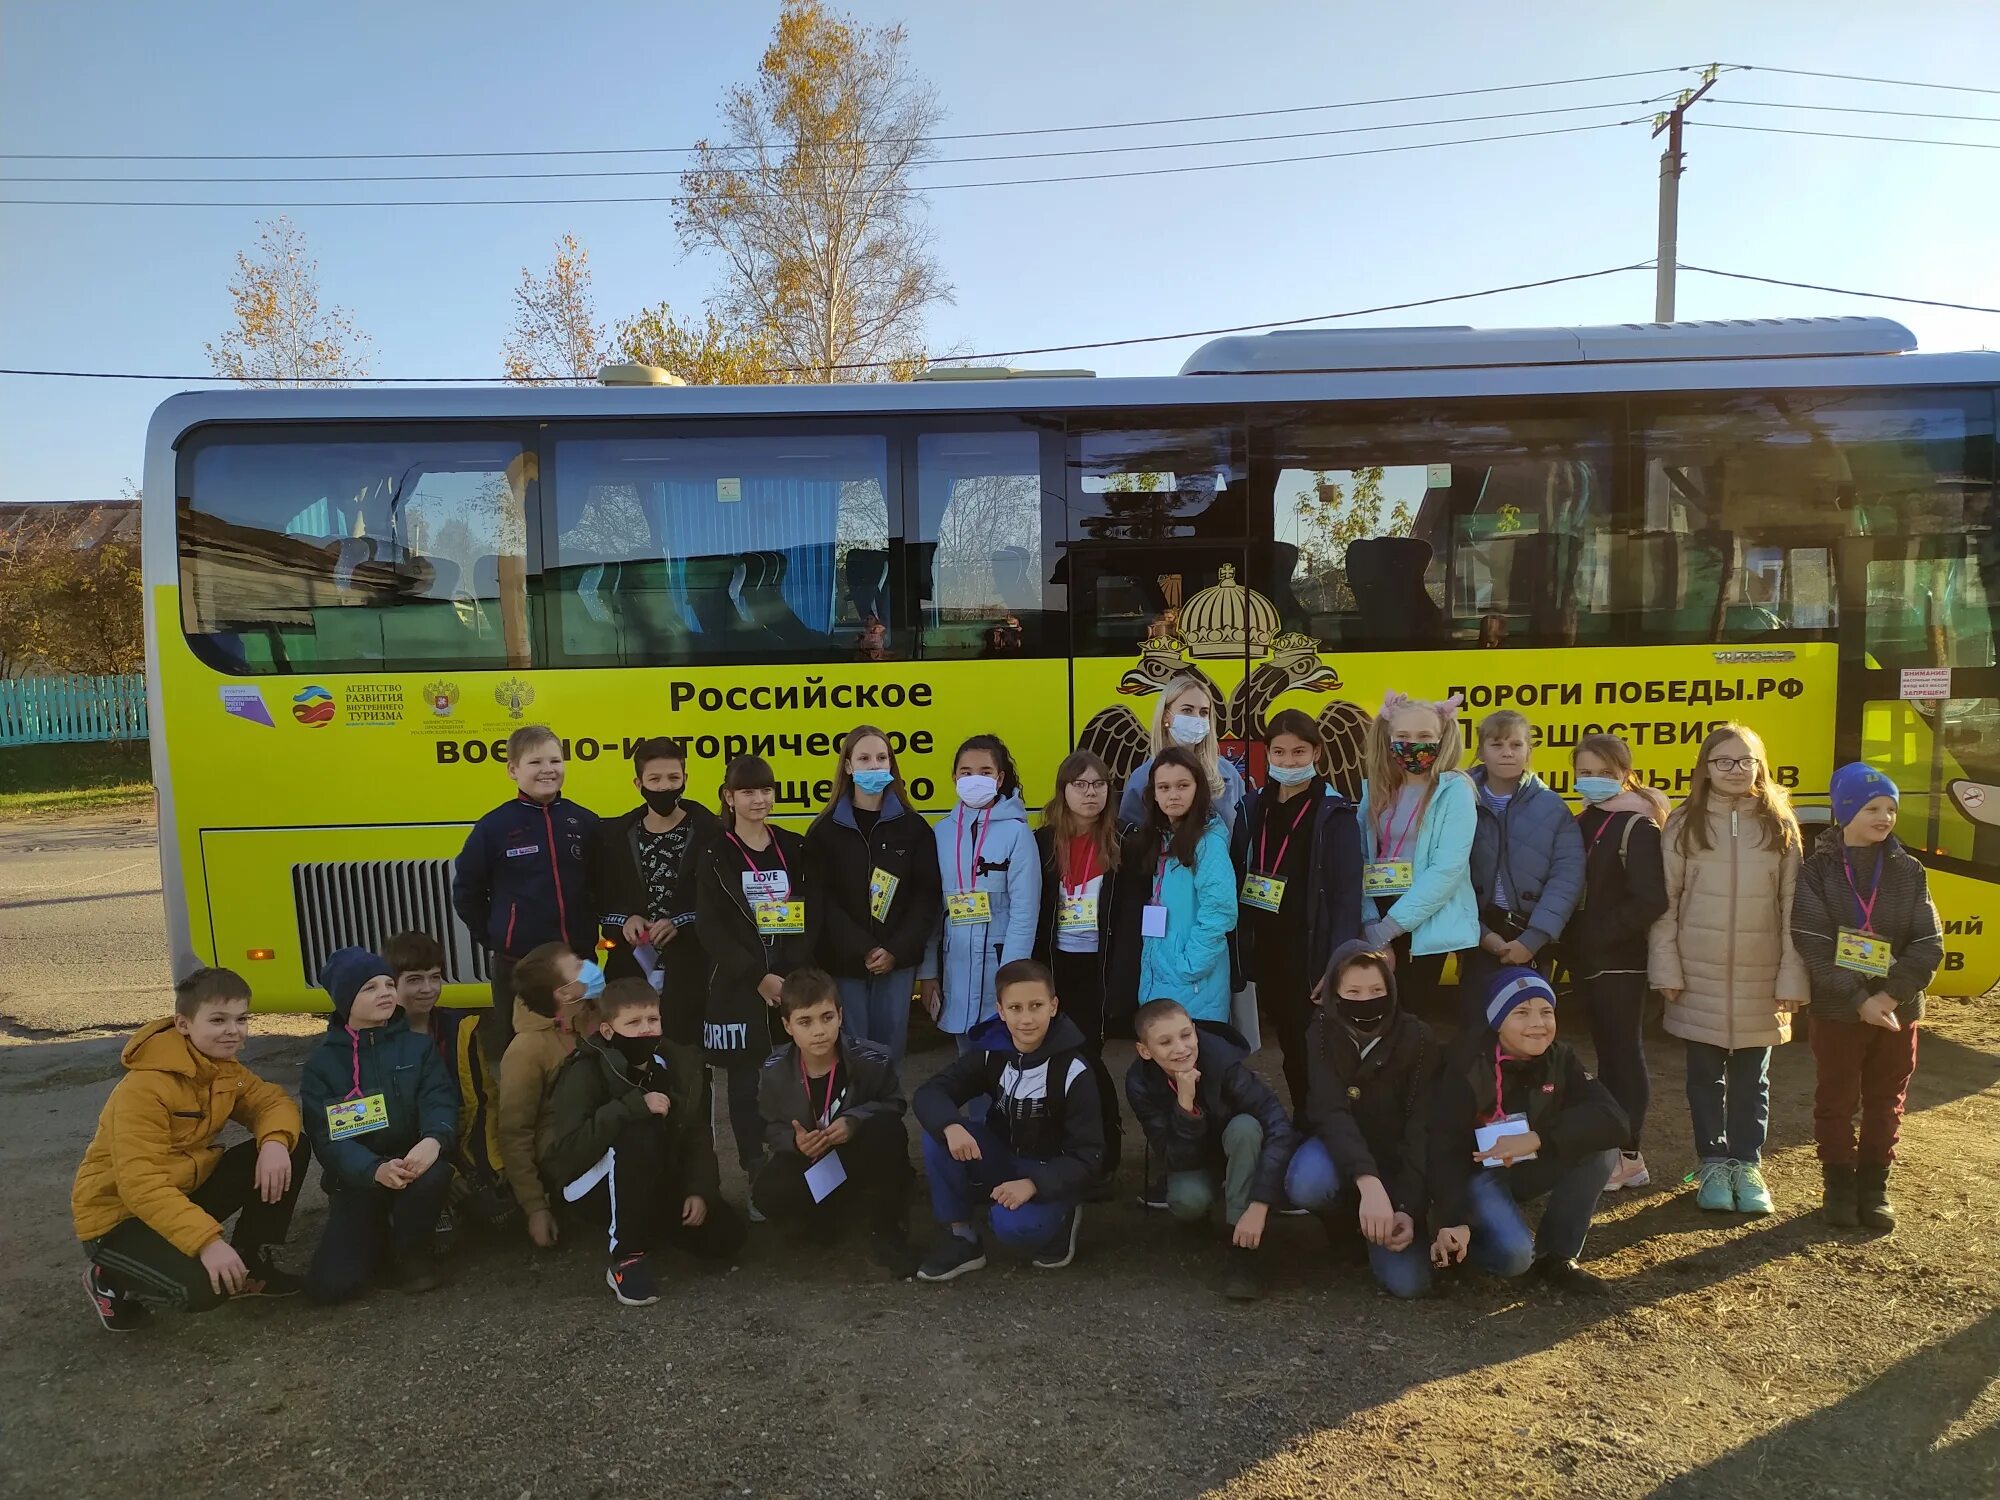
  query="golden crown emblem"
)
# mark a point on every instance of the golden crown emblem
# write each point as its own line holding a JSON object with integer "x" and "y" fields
{"x": 1227, "y": 619}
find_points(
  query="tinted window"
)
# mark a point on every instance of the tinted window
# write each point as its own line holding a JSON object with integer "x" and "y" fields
{"x": 772, "y": 547}
{"x": 298, "y": 555}
{"x": 980, "y": 562}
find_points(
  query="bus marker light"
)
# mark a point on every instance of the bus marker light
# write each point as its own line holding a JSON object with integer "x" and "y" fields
{"x": 260, "y": 953}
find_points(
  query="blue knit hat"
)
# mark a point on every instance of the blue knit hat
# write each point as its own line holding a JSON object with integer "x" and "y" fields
{"x": 345, "y": 972}
{"x": 1854, "y": 786}
{"x": 1511, "y": 987}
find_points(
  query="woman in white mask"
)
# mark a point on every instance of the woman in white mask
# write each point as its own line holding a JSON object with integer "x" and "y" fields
{"x": 1185, "y": 716}
{"x": 992, "y": 889}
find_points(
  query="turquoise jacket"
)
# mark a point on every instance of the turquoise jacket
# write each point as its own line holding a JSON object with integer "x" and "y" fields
{"x": 1191, "y": 963}
{"x": 1438, "y": 911}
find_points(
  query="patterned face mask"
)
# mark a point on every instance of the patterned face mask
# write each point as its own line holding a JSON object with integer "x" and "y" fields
{"x": 1414, "y": 756}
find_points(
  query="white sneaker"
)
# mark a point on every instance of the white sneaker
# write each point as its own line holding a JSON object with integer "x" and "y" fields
{"x": 1629, "y": 1173}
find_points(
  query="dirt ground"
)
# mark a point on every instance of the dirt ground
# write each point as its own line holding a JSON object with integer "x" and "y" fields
{"x": 1773, "y": 1358}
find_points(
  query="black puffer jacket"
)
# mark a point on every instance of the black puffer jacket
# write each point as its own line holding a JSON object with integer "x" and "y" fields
{"x": 844, "y": 859}
{"x": 1333, "y": 884}
{"x": 1228, "y": 1087}
{"x": 1824, "y": 903}
{"x": 1372, "y": 1112}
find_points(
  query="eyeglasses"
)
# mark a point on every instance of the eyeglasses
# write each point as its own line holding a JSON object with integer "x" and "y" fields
{"x": 1724, "y": 763}
{"x": 1091, "y": 786}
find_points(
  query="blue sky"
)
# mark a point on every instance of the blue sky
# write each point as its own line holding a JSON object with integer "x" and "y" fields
{"x": 142, "y": 289}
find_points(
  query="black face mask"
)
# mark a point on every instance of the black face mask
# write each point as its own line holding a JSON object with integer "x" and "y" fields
{"x": 662, "y": 802}
{"x": 636, "y": 1050}
{"x": 1364, "y": 1015}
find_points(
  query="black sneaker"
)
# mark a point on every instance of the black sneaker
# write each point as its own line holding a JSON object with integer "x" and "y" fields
{"x": 1568, "y": 1276}
{"x": 1242, "y": 1276}
{"x": 266, "y": 1280}
{"x": 952, "y": 1256}
{"x": 631, "y": 1281}
{"x": 445, "y": 1237}
{"x": 118, "y": 1314}
{"x": 893, "y": 1253}
{"x": 1061, "y": 1248}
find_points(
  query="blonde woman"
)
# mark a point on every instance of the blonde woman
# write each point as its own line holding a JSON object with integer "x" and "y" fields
{"x": 1185, "y": 716}
{"x": 1722, "y": 955}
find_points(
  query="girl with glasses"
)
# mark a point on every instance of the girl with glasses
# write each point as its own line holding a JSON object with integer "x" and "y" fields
{"x": 1722, "y": 956}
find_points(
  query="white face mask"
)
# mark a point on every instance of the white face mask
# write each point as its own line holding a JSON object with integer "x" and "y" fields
{"x": 1188, "y": 729}
{"x": 977, "y": 791}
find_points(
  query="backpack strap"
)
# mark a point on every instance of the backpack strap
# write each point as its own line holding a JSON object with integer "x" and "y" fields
{"x": 1625, "y": 838}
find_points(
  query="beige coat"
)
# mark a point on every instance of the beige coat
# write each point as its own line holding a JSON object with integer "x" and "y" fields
{"x": 527, "y": 1074}
{"x": 1725, "y": 940}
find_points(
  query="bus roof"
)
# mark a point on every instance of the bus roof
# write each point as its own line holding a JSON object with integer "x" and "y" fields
{"x": 1345, "y": 366}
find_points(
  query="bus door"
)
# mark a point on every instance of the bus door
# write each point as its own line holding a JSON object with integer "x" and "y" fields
{"x": 1157, "y": 567}
{"x": 1920, "y": 699}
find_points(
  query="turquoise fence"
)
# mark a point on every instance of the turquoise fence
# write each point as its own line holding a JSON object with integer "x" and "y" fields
{"x": 69, "y": 710}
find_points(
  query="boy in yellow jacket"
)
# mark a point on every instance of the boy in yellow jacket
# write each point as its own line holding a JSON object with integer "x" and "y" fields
{"x": 154, "y": 1189}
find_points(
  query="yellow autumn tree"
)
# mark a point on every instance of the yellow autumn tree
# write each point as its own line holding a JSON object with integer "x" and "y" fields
{"x": 70, "y": 599}
{"x": 709, "y": 352}
{"x": 809, "y": 203}
{"x": 281, "y": 335}
{"x": 556, "y": 339}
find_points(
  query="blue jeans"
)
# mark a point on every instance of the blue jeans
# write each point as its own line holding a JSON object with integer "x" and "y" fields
{"x": 877, "y": 1008}
{"x": 1729, "y": 1099}
{"x": 1313, "y": 1183}
{"x": 1501, "y": 1242}
{"x": 959, "y": 1188}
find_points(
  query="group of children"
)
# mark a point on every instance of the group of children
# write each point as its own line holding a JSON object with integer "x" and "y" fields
{"x": 787, "y": 963}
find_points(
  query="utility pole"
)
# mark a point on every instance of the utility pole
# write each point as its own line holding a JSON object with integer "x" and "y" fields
{"x": 1672, "y": 163}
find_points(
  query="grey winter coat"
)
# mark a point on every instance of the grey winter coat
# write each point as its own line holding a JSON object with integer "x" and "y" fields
{"x": 1903, "y": 913}
{"x": 1536, "y": 845}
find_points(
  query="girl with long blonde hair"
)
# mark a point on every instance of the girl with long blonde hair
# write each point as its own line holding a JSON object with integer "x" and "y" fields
{"x": 1184, "y": 716}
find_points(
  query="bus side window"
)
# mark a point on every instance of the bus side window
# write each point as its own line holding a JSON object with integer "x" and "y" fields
{"x": 979, "y": 564}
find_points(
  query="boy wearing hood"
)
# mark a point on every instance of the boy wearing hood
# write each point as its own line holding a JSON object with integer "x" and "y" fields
{"x": 1863, "y": 923}
{"x": 154, "y": 1189}
{"x": 549, "y": 985}
{"x": 1216, "y": 1125}
{"x": 1373, "y": 1069}
{"x": 1040, "y": 1146}
{"x": 628, "y": 1143}
{"x": 1516, "y": 1117}
{"x": 381, "y": 1110}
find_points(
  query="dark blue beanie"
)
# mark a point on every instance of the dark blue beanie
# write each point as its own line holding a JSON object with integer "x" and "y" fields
{"x": 1854, "y": 786}
{"x": 1509, "y": 987}
{"x": 343, "y": 974}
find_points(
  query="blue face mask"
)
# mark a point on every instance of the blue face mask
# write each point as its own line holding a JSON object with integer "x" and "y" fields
{"x": 592, "y": 979}
{"x": 1598, "y": 788}
{"x": 1290, "y": 775}
{"x": 874, "y": 783}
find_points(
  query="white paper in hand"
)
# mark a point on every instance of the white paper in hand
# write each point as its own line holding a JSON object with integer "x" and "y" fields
{"x": 1485, "y": 1135}
{"x": 824, "y": 1175}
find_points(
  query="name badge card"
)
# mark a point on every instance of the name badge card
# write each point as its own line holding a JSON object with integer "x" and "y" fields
{"x": 1862, "y": 952}
{"x": 352, "y": 1117}
{"x": 1153, "y": 922}
{"x": 766, "y": 885}
{"x": 824, "y": 1175}
{"x": 1387, "y": 877}
{"x": 881, "y": 891}
{"x": 1076, "y": 913}
{"x": 780, "y": 918}
{"x": 1265, "y": 892}
{"x": 964, "y": 908}
{"x": 1485, "y": 1135}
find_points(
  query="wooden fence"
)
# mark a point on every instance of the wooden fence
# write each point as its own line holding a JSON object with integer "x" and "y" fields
{"x": 70, "y": 710}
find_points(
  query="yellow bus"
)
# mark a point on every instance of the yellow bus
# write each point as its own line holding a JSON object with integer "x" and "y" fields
{"x": 354, "y": 595}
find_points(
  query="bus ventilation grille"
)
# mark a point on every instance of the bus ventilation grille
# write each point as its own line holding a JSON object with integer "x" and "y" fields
{"x": 364, "y": 903}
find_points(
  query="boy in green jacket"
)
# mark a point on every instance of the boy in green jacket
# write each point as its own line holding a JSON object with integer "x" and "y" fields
{"x": 628, "y": 1145}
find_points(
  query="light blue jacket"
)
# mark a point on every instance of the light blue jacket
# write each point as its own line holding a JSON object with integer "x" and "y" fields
{"x": 1438, "y": 911}
{"x": 1191, "y": 963}
{"x": 1133, "y": 808}
{"x": 965, "y": 957}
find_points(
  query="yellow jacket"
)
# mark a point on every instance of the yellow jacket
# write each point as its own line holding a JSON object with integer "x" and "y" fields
{"x": 155, "y": 1140}
{"x": 527, "y": 1074}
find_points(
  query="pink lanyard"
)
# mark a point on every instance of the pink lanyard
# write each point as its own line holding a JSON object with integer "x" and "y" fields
{"x": 1499, "y": 1087}
{"x": 832, "y": 1076}
{"x": 958, "y": 849}
{"x": 751, "y": 859}
{"x": 1264, "y": 838}
{"x": 1866, "y": 908}
{"x": 355, "y": 1037}
{"x": 1416, "y": 817}
{"x": 1609, "y": 818}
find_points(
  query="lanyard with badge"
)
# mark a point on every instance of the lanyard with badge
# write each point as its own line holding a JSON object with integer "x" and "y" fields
{"x": 1076, "y": 903}
{"x": 826, "y": 1172}
{"x": 1153, "y": 920}
{"x": 1266, "y": 892}
{"x": 358, "y": 1113}
{"x": 1395, "y": 875}
{"x": 966, "y": 907}
{"x": 1861, "y": 951}
{"x": 768, "y": 893}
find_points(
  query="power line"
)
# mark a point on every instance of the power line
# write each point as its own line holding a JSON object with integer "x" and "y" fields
{"x": 1846, "y": 135}
{"x": 1150, "y": 338}
{"x": 1850, "y": 109}
{"x": 977, "y": 135}
{"x": 951, "y": 161}
{"x": 1903, "y": 83}
{"x": 931, "y": 187}
{"x": 1810, "y": 286}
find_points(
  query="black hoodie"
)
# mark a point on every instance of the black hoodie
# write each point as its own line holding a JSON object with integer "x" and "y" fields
{"x": 1045, "y": 1104}
{"x": 1369, "y": 1095}
{"x": 1229, "y": 1087}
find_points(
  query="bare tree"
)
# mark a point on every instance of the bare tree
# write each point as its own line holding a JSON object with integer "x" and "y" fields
{"x": 810, "y": 204}
{"x": 556, "y": 339}
{"x": 282, "y": 336}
